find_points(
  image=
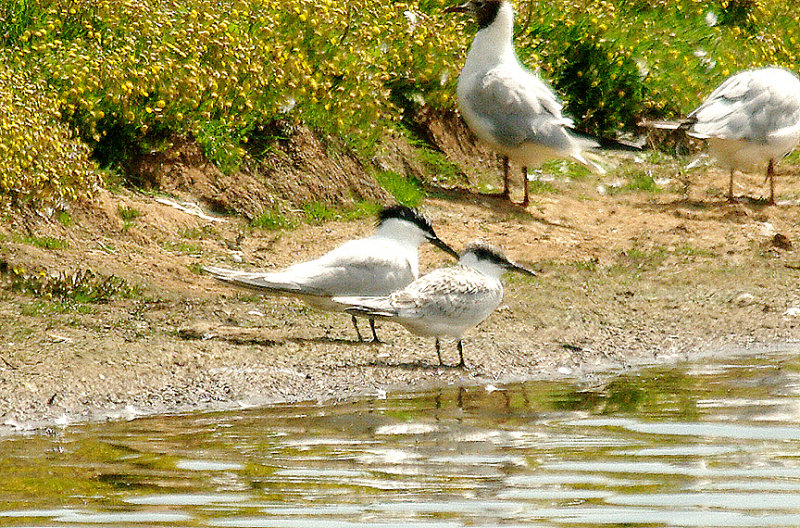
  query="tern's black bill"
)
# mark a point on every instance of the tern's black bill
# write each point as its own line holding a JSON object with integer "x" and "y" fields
{"x": 444, "y": 247}
{"x": 522, "y": 269}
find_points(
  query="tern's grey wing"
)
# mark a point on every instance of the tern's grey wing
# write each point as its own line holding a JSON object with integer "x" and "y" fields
{"x": 364, "y": 267}
{"x": 520, "y": 107}
{"x": 360, "y": 267}
{"x": 446, "y": 293}
{"x": 751, "y": 105}
{"x": 271, "y": 282}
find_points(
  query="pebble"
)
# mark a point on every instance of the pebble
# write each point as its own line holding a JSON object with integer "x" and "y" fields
{"x": 794, "y": 311}
{"x": 745, "y": 299}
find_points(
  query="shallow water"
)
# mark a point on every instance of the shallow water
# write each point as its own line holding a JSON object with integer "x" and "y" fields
{"x": 714, "y": 443}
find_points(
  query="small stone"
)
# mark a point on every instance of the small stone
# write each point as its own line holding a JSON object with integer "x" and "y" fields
{"x": 744, "y": 299}
{"x": 794, "y": 311}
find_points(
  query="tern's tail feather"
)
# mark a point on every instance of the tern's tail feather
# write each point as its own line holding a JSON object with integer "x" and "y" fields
{"x": 266, "y": 282}
{"x": 591, "y": 160}
{"x": 379, "y": 307}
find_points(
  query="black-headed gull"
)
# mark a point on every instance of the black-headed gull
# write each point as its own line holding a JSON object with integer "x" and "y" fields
{"x": 752, "y": 119}
{"x": 506, "y": 105}
{"x": 378, "y": 265}
{"x": 446, "y": 302}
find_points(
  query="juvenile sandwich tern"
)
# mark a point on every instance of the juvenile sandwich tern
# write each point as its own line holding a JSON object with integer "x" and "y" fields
{"x": 753, "y": 118}
{"x": 378, "y": 265}
{"x": 506, "y": 105}
{"x": 446, "y": 302}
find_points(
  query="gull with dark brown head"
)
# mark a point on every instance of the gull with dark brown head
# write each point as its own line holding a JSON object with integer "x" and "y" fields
{"x": 377, "y": 265}
{"x": 751, "y": 120}
{"x": 506, "y": 105}
{"x": 446, "y": 302}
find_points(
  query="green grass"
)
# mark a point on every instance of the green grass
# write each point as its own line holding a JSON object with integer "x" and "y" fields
{"x": 64, "y": 218}
{"x": 541, "y": 187}
{"x": 585, "y": 265}
{"x": 636, "y": 180}
{"x": 641, "y": 181}
{"x": 318, "y": 212}
{"x": 362, "y": 209}
{"x": 272, "y": 221}
{"x": 79, "y": 287}
{"x": 40, "y": 308}
{"x": 793, "y": 158}
{"x": 182, "y": 247}
{"x": 691, "y": 251}
{"x": 441, "y": 169}
{"x": 642, "y": 259}
{"x": 405, "y": 190}
{"x": 45, "y": 242}
{"x": 113, "y": 180}
{"x": 198, "y": 233}
{"x": 128, "y": 214}
{"x": 565, "y": 169}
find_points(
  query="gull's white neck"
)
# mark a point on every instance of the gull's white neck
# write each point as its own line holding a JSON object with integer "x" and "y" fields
{"x": 494, "y": 43}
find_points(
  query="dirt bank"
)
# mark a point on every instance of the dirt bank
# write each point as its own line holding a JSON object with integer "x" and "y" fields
{"x": 626, "y": 275}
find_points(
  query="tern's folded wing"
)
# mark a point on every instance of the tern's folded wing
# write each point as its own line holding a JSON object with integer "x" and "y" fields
{"x": 358, "y": 271}
{"x": 270, "y": 282}
{"x": 445, "y": 293}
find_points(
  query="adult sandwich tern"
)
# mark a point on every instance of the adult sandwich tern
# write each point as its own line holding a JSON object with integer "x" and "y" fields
{"x": 752, "y": 119}
{"x": 506, "y": 105}
{"x": 378, "y": 265}
{"x": 446, "y": 302}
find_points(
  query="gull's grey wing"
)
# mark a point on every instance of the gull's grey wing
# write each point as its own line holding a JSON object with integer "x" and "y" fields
{"x": 751, "y": 105}
{"x": 520, "y": 107}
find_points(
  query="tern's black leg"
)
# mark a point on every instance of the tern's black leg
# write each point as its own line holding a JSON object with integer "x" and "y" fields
{"x": 460, "y": 347}
{"x": 358, "y": 332}
{"x": 506, "y": 190}
{"x": 372, "y": 327}
{"x": 525, "y": 198}
{"x": 439, "y": 352}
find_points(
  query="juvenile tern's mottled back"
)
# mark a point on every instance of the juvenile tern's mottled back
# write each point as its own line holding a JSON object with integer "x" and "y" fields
{"x": 446, "y": 302}
{"x": 506, "y": 105}
{"x": 373, "y": 266}
{"x": 752, "y": 119}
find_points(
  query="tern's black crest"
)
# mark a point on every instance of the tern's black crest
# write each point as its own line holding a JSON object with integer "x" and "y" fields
{"x": 486, "y": 11}
{"x": 486, "y": 251}
{"x": 401, "y": 212}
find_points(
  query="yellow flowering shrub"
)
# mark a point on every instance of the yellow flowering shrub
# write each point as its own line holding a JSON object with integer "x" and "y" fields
{"x": 680, "y": 50}
{"x": 218, "y": 68}
{"x": 122, "y": 74}
{"x": 41, "y": 160}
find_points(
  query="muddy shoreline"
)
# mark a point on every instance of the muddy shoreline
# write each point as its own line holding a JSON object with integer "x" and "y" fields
{"x": 628, "y": 274}
{"x": 623, "y": 281}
